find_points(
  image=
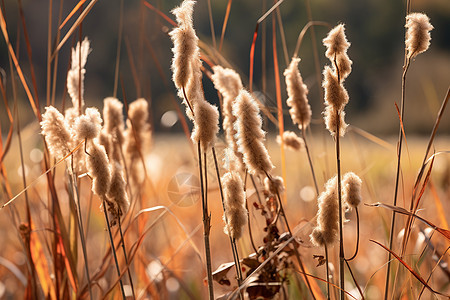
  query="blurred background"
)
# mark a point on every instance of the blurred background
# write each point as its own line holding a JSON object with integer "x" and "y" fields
{"x": 375, "y": 29}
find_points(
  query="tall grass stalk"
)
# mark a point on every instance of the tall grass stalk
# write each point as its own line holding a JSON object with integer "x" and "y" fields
{"x": 296, "y": 253}
{"x": 122, "y": 242}
{"x": 417, "y": 40}
{"x": 74, "y": 190}
{"x": 234, "y": 250}
{"x": 206, "y": 222}
{"x": 341, "y": 231}
{"x": 113, "y": 248}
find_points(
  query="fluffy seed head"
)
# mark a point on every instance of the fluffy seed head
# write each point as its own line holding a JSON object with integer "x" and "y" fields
{"x": 327, "y": 228}
{"x": 335, "y": 93}
{"x": 228, "y": 83}
{"x": 206, "y": 124}
{"x": 138, "y": 133}
{"x": 331, "y": 119}
{"x": 274, "y": 185}
{"x": 113, "y": 118}
{"x": 336, "y": 42}
{"x": 351, "y": 188}
{"x": 56, "y": 132}
{"x": 88, "y": 126}
{"x": 345, "y": 66}
{"x": 291, "y": 141}
{"x": 250, "y": 136}
{"x": 297, "y": 91}
{"x": 117, "y": 190}
{"x": 418, "y": 36}
{"x": 235, "y": 215}
{"x": 97, "y": 164}
{"x": 137, "y": 139}
{"x": 79, "y": 58}
{"x": 185, "y": 42}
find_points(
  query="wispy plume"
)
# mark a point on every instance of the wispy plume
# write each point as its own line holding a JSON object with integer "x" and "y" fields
{"x": 75, "y": 83}
{"x": 56, "y": 132}
{"x": 291, "y": 141}
{"x": 418, "y": 36}
{"x": 206, "y": 124}
{"x": 250, "y": 136}
{"x": 228, "y": 83}
{"x": 300, "y": 110}
{"x": 327, "y": 229}
{"x": 137, "y": 138}
{"x": 235, "y": 214}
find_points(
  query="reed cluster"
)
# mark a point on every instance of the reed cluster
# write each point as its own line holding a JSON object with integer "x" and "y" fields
{"x": 285, "y": 231}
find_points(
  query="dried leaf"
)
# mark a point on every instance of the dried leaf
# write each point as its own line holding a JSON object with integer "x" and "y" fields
{"x": 320, "y": 259}
{"x": 220, "y": 275}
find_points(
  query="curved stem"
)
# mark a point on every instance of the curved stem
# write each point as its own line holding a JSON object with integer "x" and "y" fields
{"x": 357, "y": 236}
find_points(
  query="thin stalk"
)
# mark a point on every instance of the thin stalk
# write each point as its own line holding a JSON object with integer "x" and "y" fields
{"x": 113, "y": 248}
{"x": 328, "y": 271}
{"x": 232, "y": 240}
{"x": 119, "y": 46}
{"x": 357, "y": 236}
{"x": 397, "y": 176}
{"x": 246, "y": 206}
{"x": 206, "y": 223}
{"x": 354, "y": 280}
{"x": 122, "y": 242}
{"x": 211, "y": 24}
{"x": 81, "y": 230}
{"x": 341, "y": 233}
{"x": 310, "y": 162}
{"x": 338, "y": 166}
{"x": 297, "y": 255}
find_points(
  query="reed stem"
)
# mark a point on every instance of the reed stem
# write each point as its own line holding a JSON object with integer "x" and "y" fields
{"x": 122, "y": 242}
{"x": 397, "y": 176}
{"x": 232, "y": 240}
{"x": 113, "y": 248}
{"x": 310, "y": 162}
{"x": 206, "y": 223}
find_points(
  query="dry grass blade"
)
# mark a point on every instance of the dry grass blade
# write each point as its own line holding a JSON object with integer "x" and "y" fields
{"x": 410, "y": 269}
{"x": 432, "y": 136}
{"x": 74, "y": 10}
{"x": 371, "y": 137}
{"x": 255, "y": 35}
{"x": 163, "y": 15}
{"x": 438, "y": 203}
{"x": 225, "y": 22}
{"x": 45, "y": 173}
{"x": 279, "y": 103}
{"x": 5, "y": 150}
{"x": 302, "y": 33}
{"x": 73, "y": 28}
{"x": 400, "y": 210}
{"x": 168, "y": 210}
{"x": 41, "y": 264}
{"x": 12, "y": 54}
{"x": 27, "y": 42}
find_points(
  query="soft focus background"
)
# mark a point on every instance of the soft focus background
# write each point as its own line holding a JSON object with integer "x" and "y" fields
{"x": 375, "y": 29}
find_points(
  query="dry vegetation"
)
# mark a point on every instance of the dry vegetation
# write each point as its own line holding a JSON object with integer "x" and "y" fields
{"x": 97, "y": 205}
